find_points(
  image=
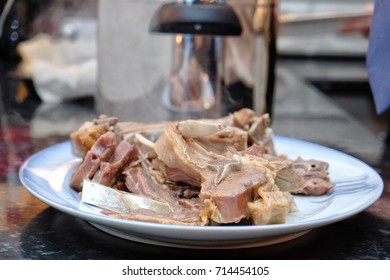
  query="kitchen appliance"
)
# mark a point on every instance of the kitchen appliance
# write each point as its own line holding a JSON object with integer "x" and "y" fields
{"x": 193, "y": 88}
{"x": 185, "y": 59}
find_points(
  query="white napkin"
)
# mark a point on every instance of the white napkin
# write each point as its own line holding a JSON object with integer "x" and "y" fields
{"x": 61, "y": 69}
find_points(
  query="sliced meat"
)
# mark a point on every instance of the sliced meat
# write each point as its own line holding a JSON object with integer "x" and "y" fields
{"x": 227, "y": 202}
{"x": 315, "y": 175}
{"x": 100, "y": 151}
{"x": 86, "y": 169}
{"x": 202, "y": 169}
{"x": 140, "y": 182}
{"x": 85, "y": 137}
{"x": 228, "y": 182}
{"x": 110, "y": 170}
{"x": 177, "y": 175}
{"x": 316, "y": 186}
{"x": 256, "y": 150}
{"x": 220, "y": 142}
{"x": 150, "y": 130}
{"x": 182, "y": 153}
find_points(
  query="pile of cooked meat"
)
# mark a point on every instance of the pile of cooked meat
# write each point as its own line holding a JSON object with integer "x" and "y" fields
{"x": 207, "y": 172}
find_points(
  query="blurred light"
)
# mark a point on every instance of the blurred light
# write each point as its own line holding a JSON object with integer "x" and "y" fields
{"x": 179, "y": 39}
{"x": 14, "y": 24}
{"x": 14, "y": 36}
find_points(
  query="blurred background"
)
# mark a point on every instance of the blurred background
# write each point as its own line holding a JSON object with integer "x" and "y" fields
{"x": 310, "y": 44}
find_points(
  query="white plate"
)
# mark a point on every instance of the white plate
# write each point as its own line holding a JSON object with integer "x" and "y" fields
{"x": 46, "y": 175}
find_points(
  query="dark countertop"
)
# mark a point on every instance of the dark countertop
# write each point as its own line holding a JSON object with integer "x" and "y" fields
{"x": 29, "y": 229}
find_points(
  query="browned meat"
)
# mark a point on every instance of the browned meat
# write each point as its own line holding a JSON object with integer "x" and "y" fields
{"x": 243, "y": 118}
{"x": 83, "y": 139}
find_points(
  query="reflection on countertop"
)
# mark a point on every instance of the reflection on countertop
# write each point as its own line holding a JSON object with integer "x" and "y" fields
{"x": 57, "y": 229}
